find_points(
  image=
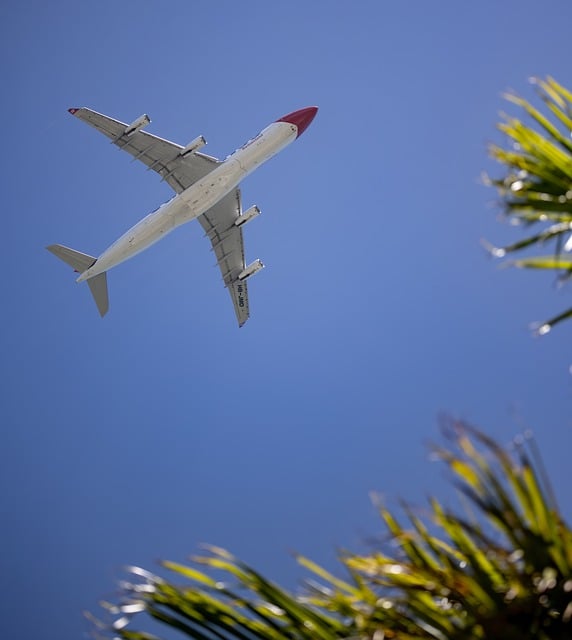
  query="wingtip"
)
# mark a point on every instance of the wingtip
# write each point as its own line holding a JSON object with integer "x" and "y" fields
{"x": 73, "y": 110}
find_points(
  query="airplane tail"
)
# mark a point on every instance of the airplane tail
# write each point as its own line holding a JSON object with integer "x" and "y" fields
{"x": 80, "y": 262}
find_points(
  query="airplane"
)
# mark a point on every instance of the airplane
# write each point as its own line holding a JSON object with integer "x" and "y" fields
{"x": 206, "y": 188}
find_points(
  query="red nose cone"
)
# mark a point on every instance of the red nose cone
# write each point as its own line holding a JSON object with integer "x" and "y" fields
{"x": 300, "y": 118}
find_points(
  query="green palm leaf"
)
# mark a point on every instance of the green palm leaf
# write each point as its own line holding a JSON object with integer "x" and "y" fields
{"x": 537, "y": 186}
{"x": 502, "y": 570}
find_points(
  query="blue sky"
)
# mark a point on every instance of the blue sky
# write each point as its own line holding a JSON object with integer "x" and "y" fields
{"x": 162, "y": 426}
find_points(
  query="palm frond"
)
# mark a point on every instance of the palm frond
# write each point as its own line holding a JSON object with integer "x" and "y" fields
{"x": 509, "y": 574}
{"x": 502, "y": 570}
{"x": 537, "y": 186}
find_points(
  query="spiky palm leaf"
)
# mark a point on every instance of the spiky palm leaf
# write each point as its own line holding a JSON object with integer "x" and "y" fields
{"x": 537, "y": 186}
{"x": 503, "y": 572}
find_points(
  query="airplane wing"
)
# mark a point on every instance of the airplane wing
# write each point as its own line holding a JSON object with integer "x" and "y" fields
{"x": 162, "y": 156}
{"x": 228, "y": 247}
{"x": 180, "y": 172}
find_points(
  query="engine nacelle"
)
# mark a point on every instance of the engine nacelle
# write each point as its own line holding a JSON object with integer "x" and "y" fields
{"x": 252, "y": 268}
{"x": 193, "y": 146}
{"x": 247, "y": 216}
{"x": 142, "y": 121}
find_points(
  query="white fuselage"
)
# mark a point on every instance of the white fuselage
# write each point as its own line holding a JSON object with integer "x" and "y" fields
{"x": 197, "y": 199}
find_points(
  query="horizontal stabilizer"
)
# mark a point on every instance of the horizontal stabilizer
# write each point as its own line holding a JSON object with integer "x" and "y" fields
{"x": 98, "y": 288}
{"x": 76, "y": 260}
{"x": 81, "y": 262}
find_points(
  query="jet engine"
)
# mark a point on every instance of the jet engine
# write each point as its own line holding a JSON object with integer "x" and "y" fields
{"x": 247, "y": 216}
{"x": 252, "y": 268}
{"x": 142, "y": 121}
{"x": 193, "y": 146}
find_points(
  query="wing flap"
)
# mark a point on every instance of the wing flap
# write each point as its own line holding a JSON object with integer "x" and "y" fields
{"x": 228, "y": 247}
{"x": 157, "y": 154}
{"x": 239, "y": 294}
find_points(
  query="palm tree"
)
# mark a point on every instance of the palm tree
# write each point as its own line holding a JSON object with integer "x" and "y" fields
{"x": 499, "y": 568}
{"x": 537, "y": 186}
